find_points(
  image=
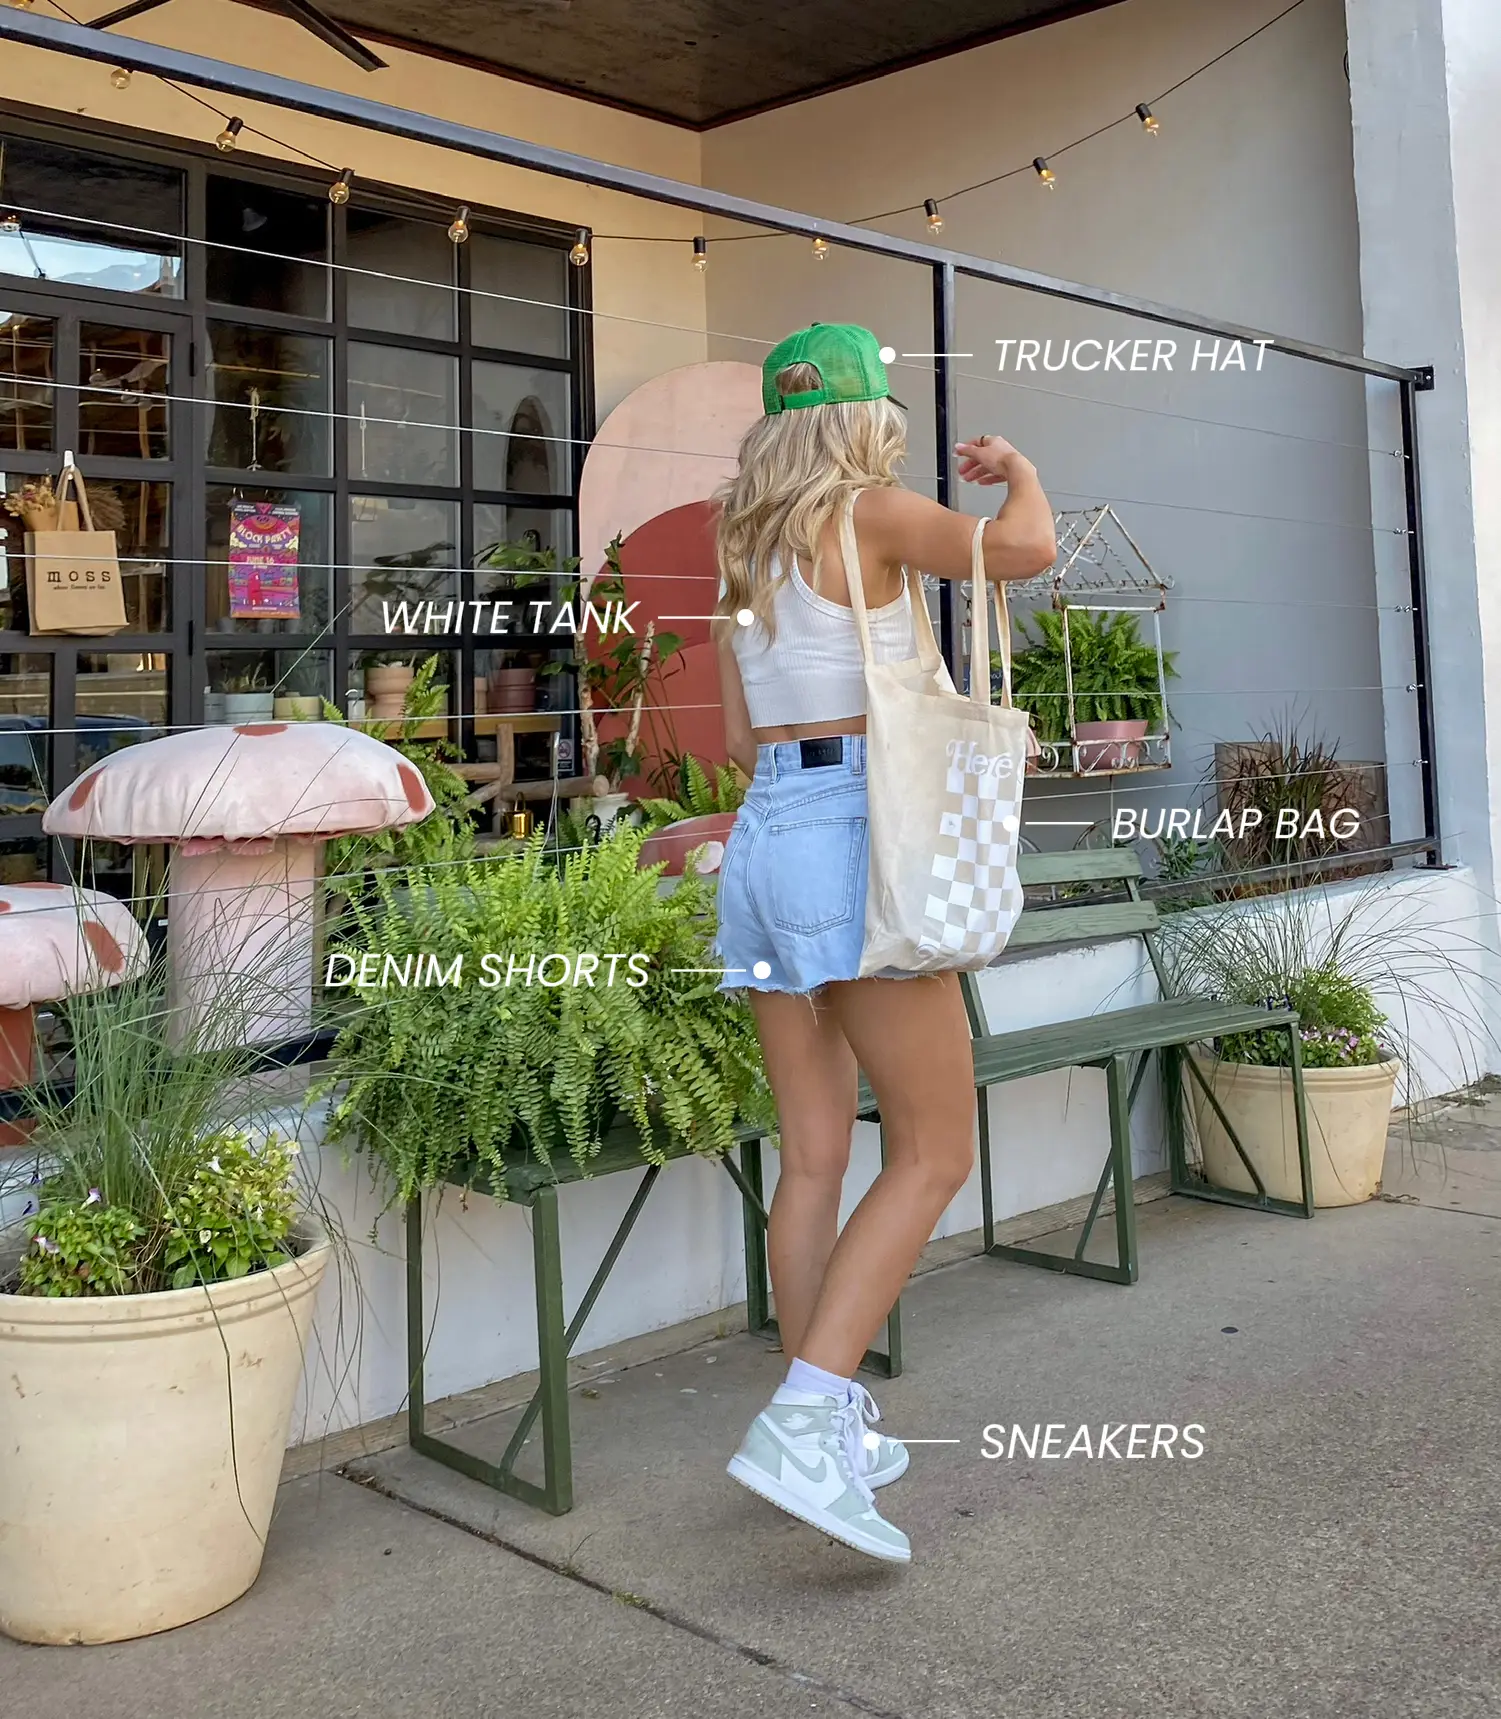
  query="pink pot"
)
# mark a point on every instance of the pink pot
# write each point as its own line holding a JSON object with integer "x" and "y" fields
{"x": 513, "y": 689}
{"x": 674, "y": 842}
{"x": 1110, "y": 745}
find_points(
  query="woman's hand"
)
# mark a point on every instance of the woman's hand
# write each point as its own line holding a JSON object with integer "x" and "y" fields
{"x": 990, "y": 460}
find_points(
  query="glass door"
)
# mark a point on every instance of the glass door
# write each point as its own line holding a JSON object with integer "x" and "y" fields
{"x": 111, "y": 385}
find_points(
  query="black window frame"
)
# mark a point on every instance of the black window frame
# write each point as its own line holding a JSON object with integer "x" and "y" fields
{"x": 189, "y": 643}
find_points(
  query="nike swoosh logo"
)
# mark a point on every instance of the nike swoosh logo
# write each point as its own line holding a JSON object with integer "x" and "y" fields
{"x": 816, "y": 1473}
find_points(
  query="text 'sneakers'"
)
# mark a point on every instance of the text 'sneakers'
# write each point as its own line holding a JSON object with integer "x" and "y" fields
{"x": 797, "y": 1456}
{"x": 882, "y": 1459}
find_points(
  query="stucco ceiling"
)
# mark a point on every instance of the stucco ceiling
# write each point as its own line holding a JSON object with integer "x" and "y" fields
{"x": 699, "y": 62}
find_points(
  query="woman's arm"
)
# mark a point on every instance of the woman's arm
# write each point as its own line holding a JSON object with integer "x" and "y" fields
{"x": 907, "y": 530}
{"x": 739, "y": 743}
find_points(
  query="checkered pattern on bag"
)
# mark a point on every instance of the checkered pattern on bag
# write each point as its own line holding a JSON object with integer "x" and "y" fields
{"x": 976, "y": 894}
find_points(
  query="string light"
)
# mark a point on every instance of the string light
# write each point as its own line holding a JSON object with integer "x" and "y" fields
{"x": 579, "y": 255}
{"x": 459, "y": 231}
{"x": 230, "y": 136}
{"x": 1044, "y": 172}
{"x": 700, "y": 254}
{"x": 338, "y": 192}
{"x": 820, "y": 249}
{"x": 1149, "y": 121}
{"x": 10, "y": 222}
{"x": 935, "y": 220}
{"x": 120, "y": 78}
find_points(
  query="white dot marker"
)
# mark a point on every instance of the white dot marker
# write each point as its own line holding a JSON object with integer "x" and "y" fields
{"x": 887, "y": 354}
{"x": 762, "y": 969}
{"x": 872, "y": 1441}
{"x": 746, "y": 617}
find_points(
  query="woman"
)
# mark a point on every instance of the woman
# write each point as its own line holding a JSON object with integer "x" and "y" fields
{"x": 792, "y": 889}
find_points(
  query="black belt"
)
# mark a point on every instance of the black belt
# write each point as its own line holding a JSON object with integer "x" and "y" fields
{"x": 827, "y": 749}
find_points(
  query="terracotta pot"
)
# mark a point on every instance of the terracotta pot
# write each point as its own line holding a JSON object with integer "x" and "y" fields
{"x": 1349, "y": 1113}
{"x": 143, "y": 1439}
{"x": 388, "y": 680}
{"x": 674, "y": 843}
{"x": 513, "y": 689}
{"x": 1110, "y": 745}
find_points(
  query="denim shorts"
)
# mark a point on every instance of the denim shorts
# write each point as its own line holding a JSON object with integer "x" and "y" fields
{"x": 792, "y": 881}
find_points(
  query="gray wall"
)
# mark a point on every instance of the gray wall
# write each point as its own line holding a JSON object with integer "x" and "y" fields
{"x": 1242, "y": 208}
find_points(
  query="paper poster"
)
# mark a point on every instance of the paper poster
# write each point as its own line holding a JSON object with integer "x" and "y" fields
{"x": 263, "y": 543}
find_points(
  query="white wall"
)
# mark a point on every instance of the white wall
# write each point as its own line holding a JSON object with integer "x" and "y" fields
{"x": 1242, "y": 208}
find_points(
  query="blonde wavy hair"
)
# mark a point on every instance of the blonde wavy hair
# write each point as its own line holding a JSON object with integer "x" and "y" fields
{"x": 797, "y": 469}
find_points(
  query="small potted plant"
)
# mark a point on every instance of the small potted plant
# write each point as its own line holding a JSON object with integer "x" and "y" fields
{"x": 298, "y": 698}
{"x": 388, "y": 675}
{"x": 248, "y": 695}
{"x": 155, "y": 1304}
{"x": 1330, "y": 963}
{"x": 1117, "y": 685}
{"x": 513, "y": 688}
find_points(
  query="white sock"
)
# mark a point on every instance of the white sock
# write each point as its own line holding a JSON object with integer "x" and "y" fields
{"x": 804, "y": 1376}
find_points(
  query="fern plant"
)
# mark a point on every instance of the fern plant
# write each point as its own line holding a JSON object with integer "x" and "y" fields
{"x": 1114, "y": 671}
{"x": 446, "y": 1081}
{"x": 699, "y": 795}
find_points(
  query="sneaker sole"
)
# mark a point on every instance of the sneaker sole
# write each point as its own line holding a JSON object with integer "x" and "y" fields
{"x": 895, "y": 1473}
{"x": 774, "y": 1493}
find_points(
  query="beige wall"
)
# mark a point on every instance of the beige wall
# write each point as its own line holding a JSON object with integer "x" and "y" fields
{"x": 638, "y": 288}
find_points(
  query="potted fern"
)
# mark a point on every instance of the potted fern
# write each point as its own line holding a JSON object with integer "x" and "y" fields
{"x": 528, "y": 1048}
{"x": 1096, "y": 684}
{"x": 698, "y": 820}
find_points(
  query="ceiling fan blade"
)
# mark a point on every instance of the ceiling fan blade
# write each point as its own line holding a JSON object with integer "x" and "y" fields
{"x": 134, "y": 10}
{"x": 334, "y": 34}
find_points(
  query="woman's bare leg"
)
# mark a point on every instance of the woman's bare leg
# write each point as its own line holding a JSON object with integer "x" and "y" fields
{"x": 813, "y": 1076}
{"x": 911, "y": 1036}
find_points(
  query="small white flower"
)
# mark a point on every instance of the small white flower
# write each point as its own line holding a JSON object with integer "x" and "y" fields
{"x": 293, "y": 1148}
{"x": 215, "y": 1166}
{"x": 95, "y": 1197}
{"x": 205, "y": 1236}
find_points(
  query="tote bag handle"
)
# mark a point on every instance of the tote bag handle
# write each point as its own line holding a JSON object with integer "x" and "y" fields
{"x": 72, "y": 478}
{"x": 928, "y": 653}
{"x": 979, "y": 626}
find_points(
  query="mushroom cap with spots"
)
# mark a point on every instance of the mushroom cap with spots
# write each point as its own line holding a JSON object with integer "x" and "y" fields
{"x": 57, "y": 940}
{"x": 259, "y": 782}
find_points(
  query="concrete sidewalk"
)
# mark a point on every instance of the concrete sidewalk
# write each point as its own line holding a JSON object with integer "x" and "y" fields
{"x": 1334, "y": 1552}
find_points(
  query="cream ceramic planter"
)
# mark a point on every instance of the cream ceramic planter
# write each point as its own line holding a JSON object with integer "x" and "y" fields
{"x": 142, "y": 1440}
{"x": 1349, "y": 1112}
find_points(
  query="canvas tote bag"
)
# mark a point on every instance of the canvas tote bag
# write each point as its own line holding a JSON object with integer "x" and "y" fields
{"x": 72, "y": 576}
{"x": 944, "y": 778}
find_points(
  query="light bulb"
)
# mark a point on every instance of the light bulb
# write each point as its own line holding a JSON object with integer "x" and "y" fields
{"x": 230, "y": 135}
{"x": 338, "y": 192}
{"x": 935, "y": 220}
{"x": 1044, "y": 172}
{"x": 459, "y": 231}
{"x": 1149, "y": 120}
{"x": 820, "y": 249}
{"x": 579, "y": 255}
{"x": 120, "y": 78}
{"x": 700, "y": 254}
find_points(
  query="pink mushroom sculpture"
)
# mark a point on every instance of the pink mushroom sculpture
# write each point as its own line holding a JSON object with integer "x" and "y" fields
{"x": 244, "y": 811}
{"x": 55, "y": 941}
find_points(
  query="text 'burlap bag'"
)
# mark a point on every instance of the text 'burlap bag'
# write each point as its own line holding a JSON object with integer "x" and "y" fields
{"x": 73, "y": 577}
{"x": 945, "y": 777}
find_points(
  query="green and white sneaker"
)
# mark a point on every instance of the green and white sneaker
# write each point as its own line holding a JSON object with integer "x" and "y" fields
{"x": 882, "y": 1459}
{"x": 799, "y": 1456}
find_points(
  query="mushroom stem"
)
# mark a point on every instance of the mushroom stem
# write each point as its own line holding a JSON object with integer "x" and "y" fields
{"x": 240, "y": 944}
{"x": 17, "y": 1047}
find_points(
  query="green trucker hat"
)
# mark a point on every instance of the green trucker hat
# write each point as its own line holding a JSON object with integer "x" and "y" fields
{"x": 844, "y": 354}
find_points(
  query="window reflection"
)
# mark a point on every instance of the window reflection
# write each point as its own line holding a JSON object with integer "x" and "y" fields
{"x": 267, "y": 248}
{"x": 124, "y": 375}
{"x": 523, "y": 428}
{"x": 273, "y": 391}
{"x": 25, "y": 745}
{"x": 27, "y": 398}
{"x": 402, "y": 547}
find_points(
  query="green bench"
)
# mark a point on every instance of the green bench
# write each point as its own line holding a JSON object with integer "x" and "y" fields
{"x": 1101, "y": 900}
{"x": 1095, "y": 896}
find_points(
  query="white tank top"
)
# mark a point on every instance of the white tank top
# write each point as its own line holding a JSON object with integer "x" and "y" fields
{"x": 812, "y": 670}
